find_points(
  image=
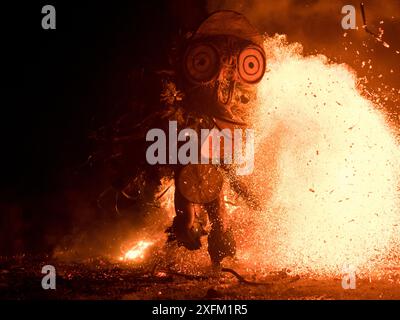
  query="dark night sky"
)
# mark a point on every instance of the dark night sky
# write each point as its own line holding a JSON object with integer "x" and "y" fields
{"x": 68, "y": 75}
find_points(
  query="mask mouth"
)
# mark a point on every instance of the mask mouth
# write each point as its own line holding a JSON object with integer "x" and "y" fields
{"x": 225, "y": 91}
{"x": 222, "y": 99}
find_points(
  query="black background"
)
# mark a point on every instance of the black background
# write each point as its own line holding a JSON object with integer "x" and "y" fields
{"x": 59, "y": 86}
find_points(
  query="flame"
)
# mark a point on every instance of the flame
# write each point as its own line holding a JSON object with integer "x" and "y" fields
{"x": 137, "y": 252}
{"x": 328, "y": 170}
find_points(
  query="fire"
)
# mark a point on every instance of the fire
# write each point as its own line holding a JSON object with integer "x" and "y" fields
{"x": 137, "y": 252}
{"x": 328, "y": 170}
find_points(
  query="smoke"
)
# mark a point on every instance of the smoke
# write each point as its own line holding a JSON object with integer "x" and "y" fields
{"x": 326, "y": 172}
{"x": 316, "y": 24}
{"x": 315, "y": 21}
{"x": 331, "y": 160}
{"x": 327, "y": 161}
{"x": 327, "y": 157}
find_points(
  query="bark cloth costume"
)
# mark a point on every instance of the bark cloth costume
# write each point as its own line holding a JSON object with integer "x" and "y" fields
{"x": 219, "y": 67}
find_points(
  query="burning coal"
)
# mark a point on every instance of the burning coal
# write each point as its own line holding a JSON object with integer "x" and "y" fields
{"x": 137, "y": 252}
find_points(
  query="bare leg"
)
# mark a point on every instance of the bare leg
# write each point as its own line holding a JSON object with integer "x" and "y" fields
{"x": 221, "y": 242}
{"x": 183, "y": 225}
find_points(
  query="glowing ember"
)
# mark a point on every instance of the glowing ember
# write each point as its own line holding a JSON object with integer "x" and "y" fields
{"x": 137, "y": 252}
{"x": 328, "y": 170}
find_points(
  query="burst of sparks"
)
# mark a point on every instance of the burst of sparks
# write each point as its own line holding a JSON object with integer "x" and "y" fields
{"x": 328, "y": 138}
{"x": 326, "y": 169}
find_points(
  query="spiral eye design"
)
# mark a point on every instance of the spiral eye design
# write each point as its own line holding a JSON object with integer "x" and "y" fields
{"x": 201, "y": 63}
{"x": 251, "y": 64}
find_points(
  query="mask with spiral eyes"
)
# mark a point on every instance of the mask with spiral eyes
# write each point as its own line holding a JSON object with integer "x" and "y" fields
{"x": 221, "y": 66}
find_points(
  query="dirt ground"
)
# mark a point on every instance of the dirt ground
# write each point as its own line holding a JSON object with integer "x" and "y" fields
{"x": 20, "y": 278}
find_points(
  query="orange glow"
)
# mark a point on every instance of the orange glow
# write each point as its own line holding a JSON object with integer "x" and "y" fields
{"x": 137, "y": 252}
{"x": 326, "y": 173}
{"x": 327, "y": 170}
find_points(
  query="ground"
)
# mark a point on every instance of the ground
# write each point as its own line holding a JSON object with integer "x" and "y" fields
{"x": 20, "y": 278}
